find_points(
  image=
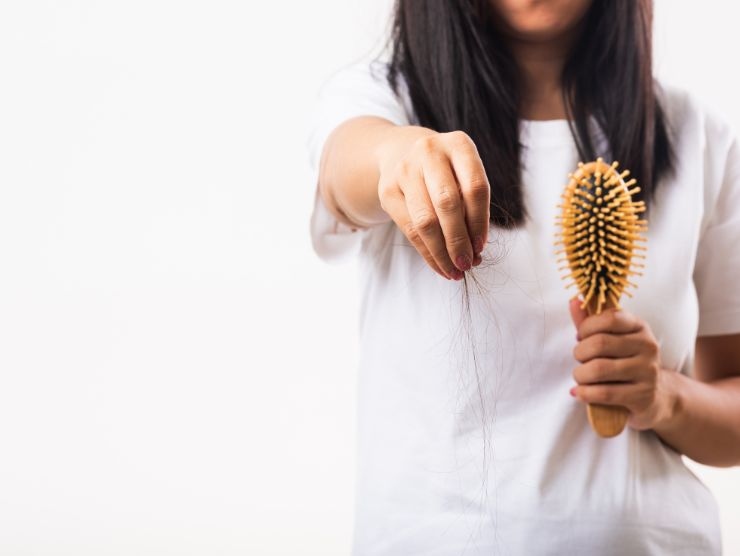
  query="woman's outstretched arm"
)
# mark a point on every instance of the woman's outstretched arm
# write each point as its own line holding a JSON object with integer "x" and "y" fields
{"x": 350, "y": 167}
{"x": 432, "y": 185}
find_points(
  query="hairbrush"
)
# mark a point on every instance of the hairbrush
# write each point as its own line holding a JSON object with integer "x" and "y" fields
{"x": 600, "y": 232}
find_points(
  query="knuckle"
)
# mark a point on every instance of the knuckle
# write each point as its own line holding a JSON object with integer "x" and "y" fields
{"x": 652, "y": 347}
{"x": 409, "y": 230}
{"x": 478, "y": 189}
{"x": 404, "y": 168}
{"x": 601, "y": 343}
{"x": 385, "y": 195}
{"x": 425, "y": 221}
{"x": 653, "y": 370}
{"x": 391, "y": 198}
{"x": 459, "y": 139}
{"x": 427, "y": 144}
{"x": 601, "y": 368}
{"x": 447, "y": 201}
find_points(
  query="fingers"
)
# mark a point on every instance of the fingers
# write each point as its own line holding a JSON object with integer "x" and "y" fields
{"x": 608, "y": 345}
{"x": 447, "y": 205}
{"x": 395, "y": 206}
{"x": 443, "y": 208}
{"x": 611, "y": 321}
{"x": 425, "y": 221}
{"x": 620, "y": 366}
{"x": 611, "y": 370}
{"x": 625, "y": 395}
{"x": 474, "y": 186}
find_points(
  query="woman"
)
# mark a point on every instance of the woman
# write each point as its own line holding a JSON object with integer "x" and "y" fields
{"x": 455, "y": 153}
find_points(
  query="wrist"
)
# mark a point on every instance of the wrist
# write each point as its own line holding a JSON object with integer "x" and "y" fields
{"x": 674, "y": 402}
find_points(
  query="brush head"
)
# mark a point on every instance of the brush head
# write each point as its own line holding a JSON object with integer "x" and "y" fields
{"x": 600, "y": 233}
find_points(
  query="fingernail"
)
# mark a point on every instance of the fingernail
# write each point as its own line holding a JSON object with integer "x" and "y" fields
{"x": 456, "y": 274}
{"x": 573, "y": 391}
{"x": 478, "y": 244}
{"x": 463, "y": 262}
{"x": 477, "y": 260}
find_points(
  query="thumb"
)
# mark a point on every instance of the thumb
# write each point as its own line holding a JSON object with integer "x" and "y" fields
{"x": 577, "y": 314}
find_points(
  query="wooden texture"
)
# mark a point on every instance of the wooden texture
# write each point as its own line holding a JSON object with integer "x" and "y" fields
{"x": 600, "y": 230}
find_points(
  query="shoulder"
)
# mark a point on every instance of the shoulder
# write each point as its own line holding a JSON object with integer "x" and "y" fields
{"x": 705, "y": 144}
{"x": 357, "y": 89}
{"x": 367, "y": 83}
{"x": 359, "y": 73}
{"x": 691, "y": 120}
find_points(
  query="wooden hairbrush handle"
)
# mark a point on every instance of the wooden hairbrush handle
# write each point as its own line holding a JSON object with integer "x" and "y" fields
{"x": 605, "y": 420}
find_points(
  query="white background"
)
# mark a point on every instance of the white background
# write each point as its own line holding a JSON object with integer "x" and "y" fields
{"x": 177, "y": 369}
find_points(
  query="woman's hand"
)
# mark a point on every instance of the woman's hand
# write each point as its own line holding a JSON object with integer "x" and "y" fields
{"x": 438, "y": 194}
{"x": 619, "y": 349}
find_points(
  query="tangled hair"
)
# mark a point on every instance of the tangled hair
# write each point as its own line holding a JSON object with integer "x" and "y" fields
{"x": 461, "y": 76}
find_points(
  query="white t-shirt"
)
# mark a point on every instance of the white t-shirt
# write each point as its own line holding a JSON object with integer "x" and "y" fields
{"x": 546, "y": 484}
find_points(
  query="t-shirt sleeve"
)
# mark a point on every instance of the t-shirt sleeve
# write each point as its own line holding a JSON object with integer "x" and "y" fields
{"x": 358, "y": 90}
{"x": 717, "y": 270}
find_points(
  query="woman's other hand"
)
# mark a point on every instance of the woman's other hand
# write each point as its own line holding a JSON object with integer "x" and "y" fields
{"x": 438, "y": 194}
{"x": 620, "y": 365}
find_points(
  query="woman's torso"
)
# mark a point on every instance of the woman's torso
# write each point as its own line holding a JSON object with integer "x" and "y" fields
{"x": 436, "y": 381}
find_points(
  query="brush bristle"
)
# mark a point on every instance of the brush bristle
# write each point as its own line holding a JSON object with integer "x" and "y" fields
{"x": 600, "y": 230}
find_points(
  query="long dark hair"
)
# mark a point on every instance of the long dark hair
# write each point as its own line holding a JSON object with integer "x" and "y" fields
{"x": 460, "y": 76}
